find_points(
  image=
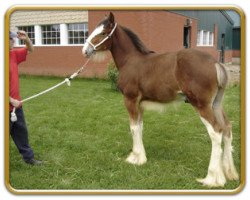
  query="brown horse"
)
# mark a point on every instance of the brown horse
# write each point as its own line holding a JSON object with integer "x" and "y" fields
{"x": 148, "y": 79}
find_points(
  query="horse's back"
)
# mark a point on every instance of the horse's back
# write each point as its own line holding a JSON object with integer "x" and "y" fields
{"x": 192, "y": 58}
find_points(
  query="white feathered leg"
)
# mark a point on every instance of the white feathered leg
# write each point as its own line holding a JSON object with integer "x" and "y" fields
{"x": 138, "y": 155}
{"x": 228, "y": 163}
{"x": 215, "y": 176}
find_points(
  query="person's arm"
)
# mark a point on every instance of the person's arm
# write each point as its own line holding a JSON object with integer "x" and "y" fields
{"x": 22, "y": 35}
{"x": 14, "y": 102}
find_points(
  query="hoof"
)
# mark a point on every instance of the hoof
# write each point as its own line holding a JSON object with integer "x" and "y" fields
{"x": 213, "y": 181}
{"x": 231, "y": 174}
{"x": 136, "y": 159}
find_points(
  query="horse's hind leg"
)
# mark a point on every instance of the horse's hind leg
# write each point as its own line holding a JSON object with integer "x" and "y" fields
{"x": 215, "y": 176}
{"x": 138, "y": 155}
{"x": 227, "y": 160}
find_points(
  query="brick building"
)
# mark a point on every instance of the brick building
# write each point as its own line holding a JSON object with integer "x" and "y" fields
{"x": 58, "y": 36}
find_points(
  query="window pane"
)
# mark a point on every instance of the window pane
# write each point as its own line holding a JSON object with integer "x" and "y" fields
{"x": 81, "y": 34}
{"x": 81, "y": 26}
{"x": 76, "y": 33}
{"x": 51, "y": 34}
{"x": 198, "y": 37}
{"x": 54, "y": 34}
{"x": 205, "y": 34}
{"x": 70, "y": 33}
{"x": 81, "y": 40}
{"x": 211, "y": 35}
{"x": 76, "y": 41}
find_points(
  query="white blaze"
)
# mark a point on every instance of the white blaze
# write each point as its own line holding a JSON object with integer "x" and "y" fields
{"x": 97, "y": 31}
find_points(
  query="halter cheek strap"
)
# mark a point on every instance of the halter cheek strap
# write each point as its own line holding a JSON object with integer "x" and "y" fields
{"x": 106, "y": 38}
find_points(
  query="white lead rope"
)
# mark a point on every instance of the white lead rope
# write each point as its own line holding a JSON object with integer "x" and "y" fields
{"x": 45, "y": 91}
{"x": 66, "y": 80}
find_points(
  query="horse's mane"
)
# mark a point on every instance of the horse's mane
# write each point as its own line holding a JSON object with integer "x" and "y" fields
{"x": 136, "y": 41}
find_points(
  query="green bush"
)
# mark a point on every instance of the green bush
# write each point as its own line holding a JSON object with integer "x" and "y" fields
{"x": 113, "y": 75}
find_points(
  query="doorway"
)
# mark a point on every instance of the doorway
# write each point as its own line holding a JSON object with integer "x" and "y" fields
{"x": 186, "y": 37}
{"x": 223, "y": 43}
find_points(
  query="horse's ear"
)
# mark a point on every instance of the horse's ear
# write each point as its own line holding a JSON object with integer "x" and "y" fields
{"x": 111, "y": 17}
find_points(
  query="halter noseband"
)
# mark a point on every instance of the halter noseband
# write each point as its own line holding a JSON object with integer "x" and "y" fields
{"x": 106, "y": 38}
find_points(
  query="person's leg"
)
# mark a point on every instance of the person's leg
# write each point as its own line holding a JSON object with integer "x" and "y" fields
{"x": 19, "y": 133}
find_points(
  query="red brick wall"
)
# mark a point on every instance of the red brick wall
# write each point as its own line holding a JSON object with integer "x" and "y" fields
{"x": 228, "y": 56}
{"x": 59, "y": 61}
{"x": 160, "y": 31}
{"x": 236, "y": 53}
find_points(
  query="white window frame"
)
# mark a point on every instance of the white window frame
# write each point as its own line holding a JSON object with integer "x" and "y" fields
{"x": 51, "y": 36}
{"x": 212, "y": 39}
{"x": 63, "y": 34}
{"x": 64, "y": 38}
{"x": 38, "y": 35}
{"x": 85, "y": 28}
{"x": 203, "y": 38}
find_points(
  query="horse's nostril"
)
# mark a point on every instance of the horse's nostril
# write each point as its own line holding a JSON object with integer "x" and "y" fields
{"x": 85, "y": 55}
{"x": 84, "y": 52}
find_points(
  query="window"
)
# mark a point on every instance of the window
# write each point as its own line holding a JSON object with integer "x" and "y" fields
{"x": 211, "y": 39}
{"x": 56, "y": 34}
{"x": 30, "y": 31}
{"x": 199, "y": 38}
{"x": 205, "y": 38}
{"x": 51, "y": 34}
{"x": 77, "y": 33}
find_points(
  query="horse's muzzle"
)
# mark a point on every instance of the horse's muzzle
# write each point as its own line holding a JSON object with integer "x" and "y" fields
{"x": 87, "y": 50}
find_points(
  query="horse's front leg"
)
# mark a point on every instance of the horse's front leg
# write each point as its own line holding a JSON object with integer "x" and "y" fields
{"x": 138, "y": 155}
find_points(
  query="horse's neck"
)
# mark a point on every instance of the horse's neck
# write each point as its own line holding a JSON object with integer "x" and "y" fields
{"x": 122, "y": 48}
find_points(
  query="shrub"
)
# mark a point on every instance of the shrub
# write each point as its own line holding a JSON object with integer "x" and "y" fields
{"x": 113, "y": 75}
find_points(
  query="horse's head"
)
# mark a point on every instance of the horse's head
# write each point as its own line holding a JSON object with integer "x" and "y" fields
{"x": 100, "y": 38}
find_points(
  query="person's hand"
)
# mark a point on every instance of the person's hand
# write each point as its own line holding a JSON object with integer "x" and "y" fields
{"x": 16, "y": 103}
{"x": 22, "y": 35}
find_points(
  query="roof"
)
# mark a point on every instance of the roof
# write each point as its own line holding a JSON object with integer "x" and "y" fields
{"x": 227, "y": 16}
{"x": 235, "y": 17}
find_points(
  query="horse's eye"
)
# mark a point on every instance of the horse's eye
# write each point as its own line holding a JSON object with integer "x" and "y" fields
{"x": 103, "y": 33}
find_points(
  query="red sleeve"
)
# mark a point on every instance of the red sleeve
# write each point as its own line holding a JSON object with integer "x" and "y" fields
{"x": 21, "y": 55}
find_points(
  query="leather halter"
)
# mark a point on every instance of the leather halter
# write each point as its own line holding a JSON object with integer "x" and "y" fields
{"x": 106, "y": 38}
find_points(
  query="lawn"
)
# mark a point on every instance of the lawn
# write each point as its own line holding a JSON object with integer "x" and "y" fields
{"x": 82, "y": 135}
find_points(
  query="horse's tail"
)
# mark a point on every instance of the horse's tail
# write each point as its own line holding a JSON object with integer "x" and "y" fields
{"x": 222, "y": 75}
{"x": 222, "y": 80}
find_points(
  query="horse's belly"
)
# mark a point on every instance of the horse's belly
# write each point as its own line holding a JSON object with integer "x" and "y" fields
{"x": 159, "y": 106}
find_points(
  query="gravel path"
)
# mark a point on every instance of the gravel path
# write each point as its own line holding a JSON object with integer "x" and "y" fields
{"x": 234, "y": 73}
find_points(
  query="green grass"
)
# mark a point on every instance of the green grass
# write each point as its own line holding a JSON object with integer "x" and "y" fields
{"x": 82, "y": 134}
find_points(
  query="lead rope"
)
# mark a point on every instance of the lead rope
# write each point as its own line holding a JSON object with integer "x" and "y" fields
{"x": 13, "y": 117}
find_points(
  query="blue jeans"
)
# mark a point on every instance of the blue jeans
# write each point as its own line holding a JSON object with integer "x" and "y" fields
{"x": 19, "y": 134}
